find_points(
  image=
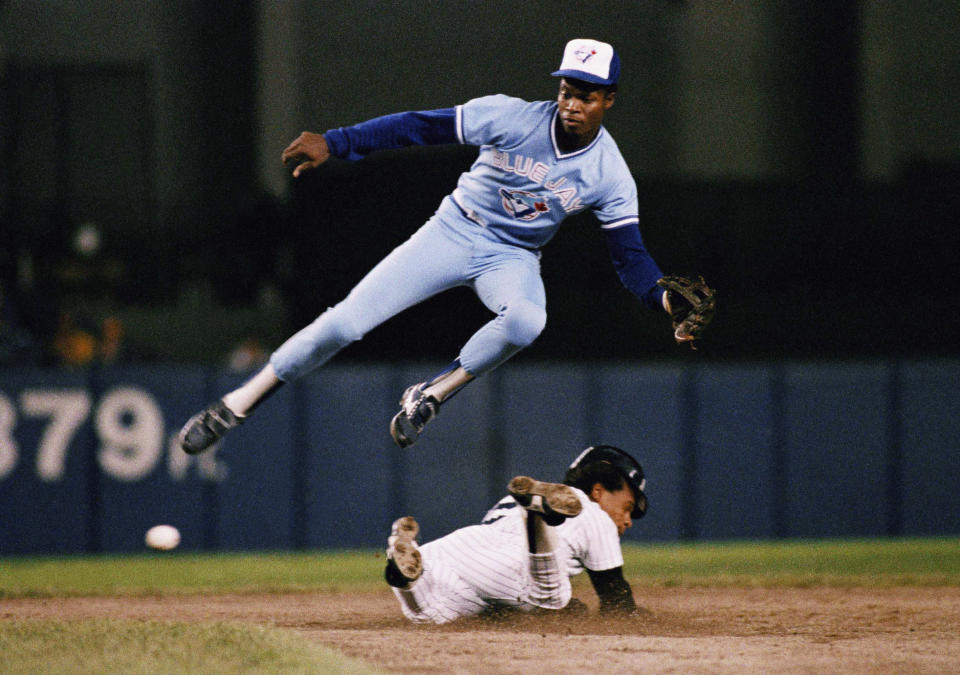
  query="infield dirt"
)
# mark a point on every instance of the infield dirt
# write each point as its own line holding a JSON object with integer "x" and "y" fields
{"x": 706, "y": 630}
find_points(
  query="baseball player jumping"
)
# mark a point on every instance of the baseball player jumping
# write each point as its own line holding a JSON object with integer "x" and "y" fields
{"x": 528, "y": 546}
{"x": 538, "y": 163}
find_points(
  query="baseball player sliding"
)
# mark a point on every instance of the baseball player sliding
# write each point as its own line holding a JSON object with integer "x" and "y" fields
{"x": 538, "y": 163}
{"x": 527, "y": 547}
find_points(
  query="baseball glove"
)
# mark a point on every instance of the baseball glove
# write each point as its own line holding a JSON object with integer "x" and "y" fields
{"x": 692, "y": 306}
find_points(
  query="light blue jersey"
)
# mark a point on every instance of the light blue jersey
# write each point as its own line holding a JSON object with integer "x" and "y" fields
{"x": 488, "y": 232}
{"x": 522, "y": 186}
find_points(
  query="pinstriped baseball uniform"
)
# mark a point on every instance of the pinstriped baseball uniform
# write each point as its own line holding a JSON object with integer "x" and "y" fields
{"x": 489, "y": 565}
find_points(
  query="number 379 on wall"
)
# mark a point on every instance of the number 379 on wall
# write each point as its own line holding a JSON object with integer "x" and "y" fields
{"x": 127, "y": 423}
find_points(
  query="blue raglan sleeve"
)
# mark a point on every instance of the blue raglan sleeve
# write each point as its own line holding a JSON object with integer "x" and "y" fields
{"x": 634, "y": 265}
{"x": 399, "y": 130}
{"x": 618, "y": 218}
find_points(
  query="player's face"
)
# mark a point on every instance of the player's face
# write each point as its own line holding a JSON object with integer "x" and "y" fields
{"x": 618, "y": 504}
{"x": 581, "y": 111}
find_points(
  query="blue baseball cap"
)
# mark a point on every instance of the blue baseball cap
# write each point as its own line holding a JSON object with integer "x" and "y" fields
{"x": 591, "y": 61}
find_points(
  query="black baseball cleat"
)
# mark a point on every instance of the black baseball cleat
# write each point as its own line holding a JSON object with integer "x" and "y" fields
{"x": 404, "y": 564}
{"x": 416, "y": 409}
{"x": 207, "y": 427}
{"x": 555, "y": 501}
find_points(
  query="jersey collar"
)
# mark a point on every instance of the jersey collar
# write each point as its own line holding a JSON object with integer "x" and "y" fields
{"x": 556, "y": 148}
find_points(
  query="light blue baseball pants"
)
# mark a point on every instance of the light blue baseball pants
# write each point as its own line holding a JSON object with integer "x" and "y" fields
{"x": 439, "y": 256}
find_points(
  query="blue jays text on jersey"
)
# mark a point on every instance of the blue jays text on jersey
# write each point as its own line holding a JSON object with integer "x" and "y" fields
{"x": 537, "y": 172}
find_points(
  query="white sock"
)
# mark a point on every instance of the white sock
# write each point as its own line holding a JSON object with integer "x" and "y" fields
{"x": 448, "y": 384}
{"x": 541, "y": 537}
{"x": 241, "y": 400}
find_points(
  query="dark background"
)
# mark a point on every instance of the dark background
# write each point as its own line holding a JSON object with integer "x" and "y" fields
{"x": 803, "y": 157}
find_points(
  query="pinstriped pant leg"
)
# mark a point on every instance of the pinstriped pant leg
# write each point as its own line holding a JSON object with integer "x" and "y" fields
{"x": 550, "y": 586}
{"x": 438, "y": 596}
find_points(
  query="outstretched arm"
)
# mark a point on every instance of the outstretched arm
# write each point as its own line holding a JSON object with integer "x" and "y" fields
{"x": 399, "y": 130}
{"x": 690, "y": 303}
{"x": 613, "y": 590}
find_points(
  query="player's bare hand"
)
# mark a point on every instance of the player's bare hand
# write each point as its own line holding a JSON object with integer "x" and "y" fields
{"x": 307, "y": 151}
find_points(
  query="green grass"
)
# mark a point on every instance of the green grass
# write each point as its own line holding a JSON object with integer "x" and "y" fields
{"x": 111, "y": 645}
{"x": 123, "y": 646}
{"x": 172, "y": 573}
{"x": 832, "y": 562}
{"x": 926, "y": 562}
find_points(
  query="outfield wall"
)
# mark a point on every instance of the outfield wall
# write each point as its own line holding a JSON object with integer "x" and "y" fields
{"x": 88, "y": 461}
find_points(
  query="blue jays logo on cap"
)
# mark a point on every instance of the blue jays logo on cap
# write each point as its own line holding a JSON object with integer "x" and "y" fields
{"x": 584, "y": 53}
{"x": 523, "y": 205}
{"x": 591, "y": 61}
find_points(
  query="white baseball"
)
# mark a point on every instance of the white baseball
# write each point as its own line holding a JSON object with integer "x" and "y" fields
{"x": 163, "y": 537}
